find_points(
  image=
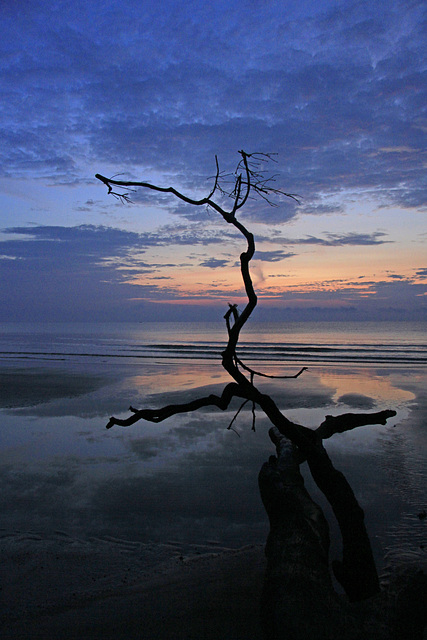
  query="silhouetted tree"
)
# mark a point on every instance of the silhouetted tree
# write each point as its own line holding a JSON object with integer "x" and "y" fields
{"x": 298, "y": 600}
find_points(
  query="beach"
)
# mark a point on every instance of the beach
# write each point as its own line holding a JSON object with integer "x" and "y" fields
{"x": 67, "y": 588}
{"x": 158, "y": 531}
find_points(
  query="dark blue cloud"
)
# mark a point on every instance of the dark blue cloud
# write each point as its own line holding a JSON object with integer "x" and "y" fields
{"x": 83, "y": 272}
{"x": 73, "y": 272}
{"x": 214, "y": 263}
{"x": 335, "y": 239}
{"x": 273, "y": 256}
{"x": 337, "y": 89}
{"x": 337, "y": 93}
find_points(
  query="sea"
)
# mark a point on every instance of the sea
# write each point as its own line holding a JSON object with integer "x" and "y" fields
{"x": 356, "y": 343}
{"x": 191, "y": 481}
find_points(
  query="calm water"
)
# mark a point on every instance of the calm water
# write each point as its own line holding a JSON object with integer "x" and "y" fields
{"x": 189, "y": 480}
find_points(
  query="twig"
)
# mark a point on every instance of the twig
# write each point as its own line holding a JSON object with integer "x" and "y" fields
{"x": 266, "y": 375}
{"x": 235, "y": 416}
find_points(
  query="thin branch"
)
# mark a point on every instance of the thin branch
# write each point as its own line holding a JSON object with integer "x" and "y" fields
{"x": 236, "y": 414}
{"x": 231, "y": 311}
{"x": 266, "y": 375}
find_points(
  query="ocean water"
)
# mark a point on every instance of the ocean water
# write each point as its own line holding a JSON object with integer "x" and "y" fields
{"x": 190, "y": 481}
{"x": 279, "y": 343}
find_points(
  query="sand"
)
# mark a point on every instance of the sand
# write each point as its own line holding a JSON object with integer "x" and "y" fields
{"x": 61, "y": 587}
{"x": 57, "y": 466}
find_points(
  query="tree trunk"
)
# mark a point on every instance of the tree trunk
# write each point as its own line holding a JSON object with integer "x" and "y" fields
{"x": 299, "y": 601}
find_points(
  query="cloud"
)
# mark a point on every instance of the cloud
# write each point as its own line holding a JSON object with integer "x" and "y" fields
{"x": 92, "y": 272}
{"x": 321, "y": 208}
{"x": 341, "y": 103}
{"x": 156, "y": 95}
{"x": 96, "y": 272}
{"x": 272, "y": 256}
{"x": 91, "y": 243}
{"x": 214, "y": 263}
{"x": 80, "y": 240}
{"x": 340, "y": 239}
{"x": 335, "y": 239}
{"x": 64, "y": 271}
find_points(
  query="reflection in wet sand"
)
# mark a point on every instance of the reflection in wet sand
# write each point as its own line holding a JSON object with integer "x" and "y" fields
{"x": 57, "y": 453}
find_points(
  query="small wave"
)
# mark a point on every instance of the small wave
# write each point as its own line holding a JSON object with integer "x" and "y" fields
{"x": 271, "y": 353}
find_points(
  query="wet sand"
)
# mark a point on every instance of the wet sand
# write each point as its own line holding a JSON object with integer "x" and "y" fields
{"x": 69, "y": 589}
{"x": 60, "y": 584}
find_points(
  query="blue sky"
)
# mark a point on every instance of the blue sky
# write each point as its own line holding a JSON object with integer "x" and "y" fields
{"x": 336, "y": 89}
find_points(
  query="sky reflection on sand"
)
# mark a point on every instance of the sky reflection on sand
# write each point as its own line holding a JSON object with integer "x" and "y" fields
{"x": 189, "y": 478}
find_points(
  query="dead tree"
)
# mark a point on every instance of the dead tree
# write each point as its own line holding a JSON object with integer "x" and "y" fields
{"x": 292, "y": 562}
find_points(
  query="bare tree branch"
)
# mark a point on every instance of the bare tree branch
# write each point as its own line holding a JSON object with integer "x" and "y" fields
{"x": 357, "y": 571}
{"x": 348, "y": 421}
{"x": 248, "y": 177}
{"x": 158, "y": 415}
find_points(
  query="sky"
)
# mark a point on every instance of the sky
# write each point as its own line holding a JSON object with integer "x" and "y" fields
{"x": 337, "y": 89}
